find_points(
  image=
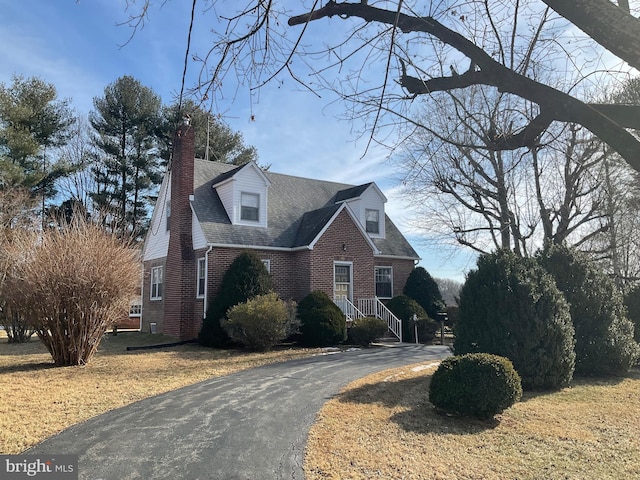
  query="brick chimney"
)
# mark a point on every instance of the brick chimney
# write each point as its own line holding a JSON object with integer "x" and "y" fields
{"x": 180, "y": 271}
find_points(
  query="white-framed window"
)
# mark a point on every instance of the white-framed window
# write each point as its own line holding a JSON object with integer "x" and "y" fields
{"x": 384, "y": 282}
{"x": 135, "y": 310}
{"x": 157, "y": 281}
{"x": 202, "y": 277}
{"x": 250, "y": 207}
{"x": 267, "y": 264}
{"x": 372, "y": 220}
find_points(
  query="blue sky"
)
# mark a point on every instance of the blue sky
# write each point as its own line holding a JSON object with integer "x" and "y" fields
{"x": 77, "y": 46}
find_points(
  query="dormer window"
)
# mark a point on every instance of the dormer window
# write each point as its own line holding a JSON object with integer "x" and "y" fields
{"x": 250, "y": 207}
{"x": 372, "y": 218}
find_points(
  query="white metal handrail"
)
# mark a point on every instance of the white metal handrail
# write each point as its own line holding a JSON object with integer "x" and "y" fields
{"x": 375, "y": 308}
{"x": 349, "y": 309}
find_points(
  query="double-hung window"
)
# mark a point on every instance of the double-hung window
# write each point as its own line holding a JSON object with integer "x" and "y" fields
{"x": 250, "y": 207}
{"x": 202, "y": 277}
{"x": 372, "y": 219}
{"x": 384, "y": 282}
{"x": 156, "y": 283}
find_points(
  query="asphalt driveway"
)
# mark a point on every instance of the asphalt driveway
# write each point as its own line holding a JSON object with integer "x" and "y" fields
{"x": 251, "y": 425}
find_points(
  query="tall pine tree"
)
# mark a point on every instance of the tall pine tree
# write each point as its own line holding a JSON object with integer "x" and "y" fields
{"x": 33, "y": 123}
{"x": 126, "y": 121}
{"x": 215, "y": 140}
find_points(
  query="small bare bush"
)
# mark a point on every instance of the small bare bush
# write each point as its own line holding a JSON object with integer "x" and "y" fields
{"x": 16, "y": 215}
{"x": 72, "y": 283}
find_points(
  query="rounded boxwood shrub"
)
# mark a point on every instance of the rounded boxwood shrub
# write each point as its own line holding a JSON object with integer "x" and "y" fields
{"x": 245, "y": 278}
{"x": 477, "y": 384}
{"x": 604, "y": 335}
{"x": 365, "y": 330}
{"x": 405, "y": 307}
{"x": 322, "y": 323}
{"x": 260, "y": 322}
{"x": 509, "y": 306}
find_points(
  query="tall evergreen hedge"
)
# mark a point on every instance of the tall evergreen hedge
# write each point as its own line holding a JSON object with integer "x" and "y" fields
{"x": 604, "y": 335}
{"x": 424, "y": 289}
{"x": 632, "y": 302}
{"x": 509, "y": 306}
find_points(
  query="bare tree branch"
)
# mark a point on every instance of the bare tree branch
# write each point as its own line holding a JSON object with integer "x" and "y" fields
{"x": 554, "y": 104}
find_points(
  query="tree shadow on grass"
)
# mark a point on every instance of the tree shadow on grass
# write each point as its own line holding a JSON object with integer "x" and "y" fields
{"x": 27, "y": 367}
{"x": 418, "y": 414}
{"x": 580, "y": 382}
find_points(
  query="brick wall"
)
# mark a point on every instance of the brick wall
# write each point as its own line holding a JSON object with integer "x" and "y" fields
{"x": 295, "y": 274}
{"x": 401, "y": 270}
{"x": 343, "y": 242}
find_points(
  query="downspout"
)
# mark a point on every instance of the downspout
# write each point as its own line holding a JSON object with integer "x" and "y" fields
{"x": 141, "y": 295}
{"x": 206, "y": 282}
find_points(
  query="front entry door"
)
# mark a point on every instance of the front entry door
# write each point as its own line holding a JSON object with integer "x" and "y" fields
{"x": 342, "y": 288}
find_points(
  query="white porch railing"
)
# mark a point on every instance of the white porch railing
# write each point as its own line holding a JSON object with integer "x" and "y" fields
{"x": 370, "y": 307}
{"x": 349, "y": 309}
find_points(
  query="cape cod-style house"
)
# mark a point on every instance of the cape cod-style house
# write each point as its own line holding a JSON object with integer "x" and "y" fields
{"x": 310, "y": 234}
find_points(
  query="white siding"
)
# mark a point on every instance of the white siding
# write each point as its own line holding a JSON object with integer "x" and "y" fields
{"x": 156, "y": 243}
{"x": 249, "y": 179}
{"x": 372, "y": 199}
{"x": 197, "y": 235}
{"x": 225, "y": 192}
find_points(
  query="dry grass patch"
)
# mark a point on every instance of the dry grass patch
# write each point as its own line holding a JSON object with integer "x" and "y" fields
{"x": 38, "y": 400}
{"x": 383, "y": 426}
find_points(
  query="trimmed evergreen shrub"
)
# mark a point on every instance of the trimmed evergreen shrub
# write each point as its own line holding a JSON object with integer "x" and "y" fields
{"x": 427, "y": 330}
{"x": 322, "y": 323}
{"x": 365, "y": 330}
{"x": 477, "y": 384}
{"x": 245, "y": 278}
{"x": 404, "y": 307}
{"x": 632, "y": 302}
{"x": 604, "y": 335}
{"x": 424, "y": 289}
{"x": 509, "y": 306}
{"x": 260, "y": 322}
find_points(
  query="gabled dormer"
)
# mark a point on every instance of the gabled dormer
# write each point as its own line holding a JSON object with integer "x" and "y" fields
{"x": 367, "y": 202}
{"x": 244, "y": 195}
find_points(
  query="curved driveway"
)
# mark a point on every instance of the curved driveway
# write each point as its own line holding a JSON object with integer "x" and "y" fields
{"x": 250, "y": 425}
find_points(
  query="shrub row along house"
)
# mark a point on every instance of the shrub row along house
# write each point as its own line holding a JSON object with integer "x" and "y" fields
{"x": 311, "y": 235}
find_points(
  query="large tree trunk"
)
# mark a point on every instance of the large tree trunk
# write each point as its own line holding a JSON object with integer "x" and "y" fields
{"x": 611, "y": 26}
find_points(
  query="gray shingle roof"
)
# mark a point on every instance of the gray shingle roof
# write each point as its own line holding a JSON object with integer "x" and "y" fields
{"x": 298, "y": 209}
{"x": 353, "y": 192}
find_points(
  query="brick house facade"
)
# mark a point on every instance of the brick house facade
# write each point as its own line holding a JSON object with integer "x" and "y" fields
{"x": 311, "y": 235}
